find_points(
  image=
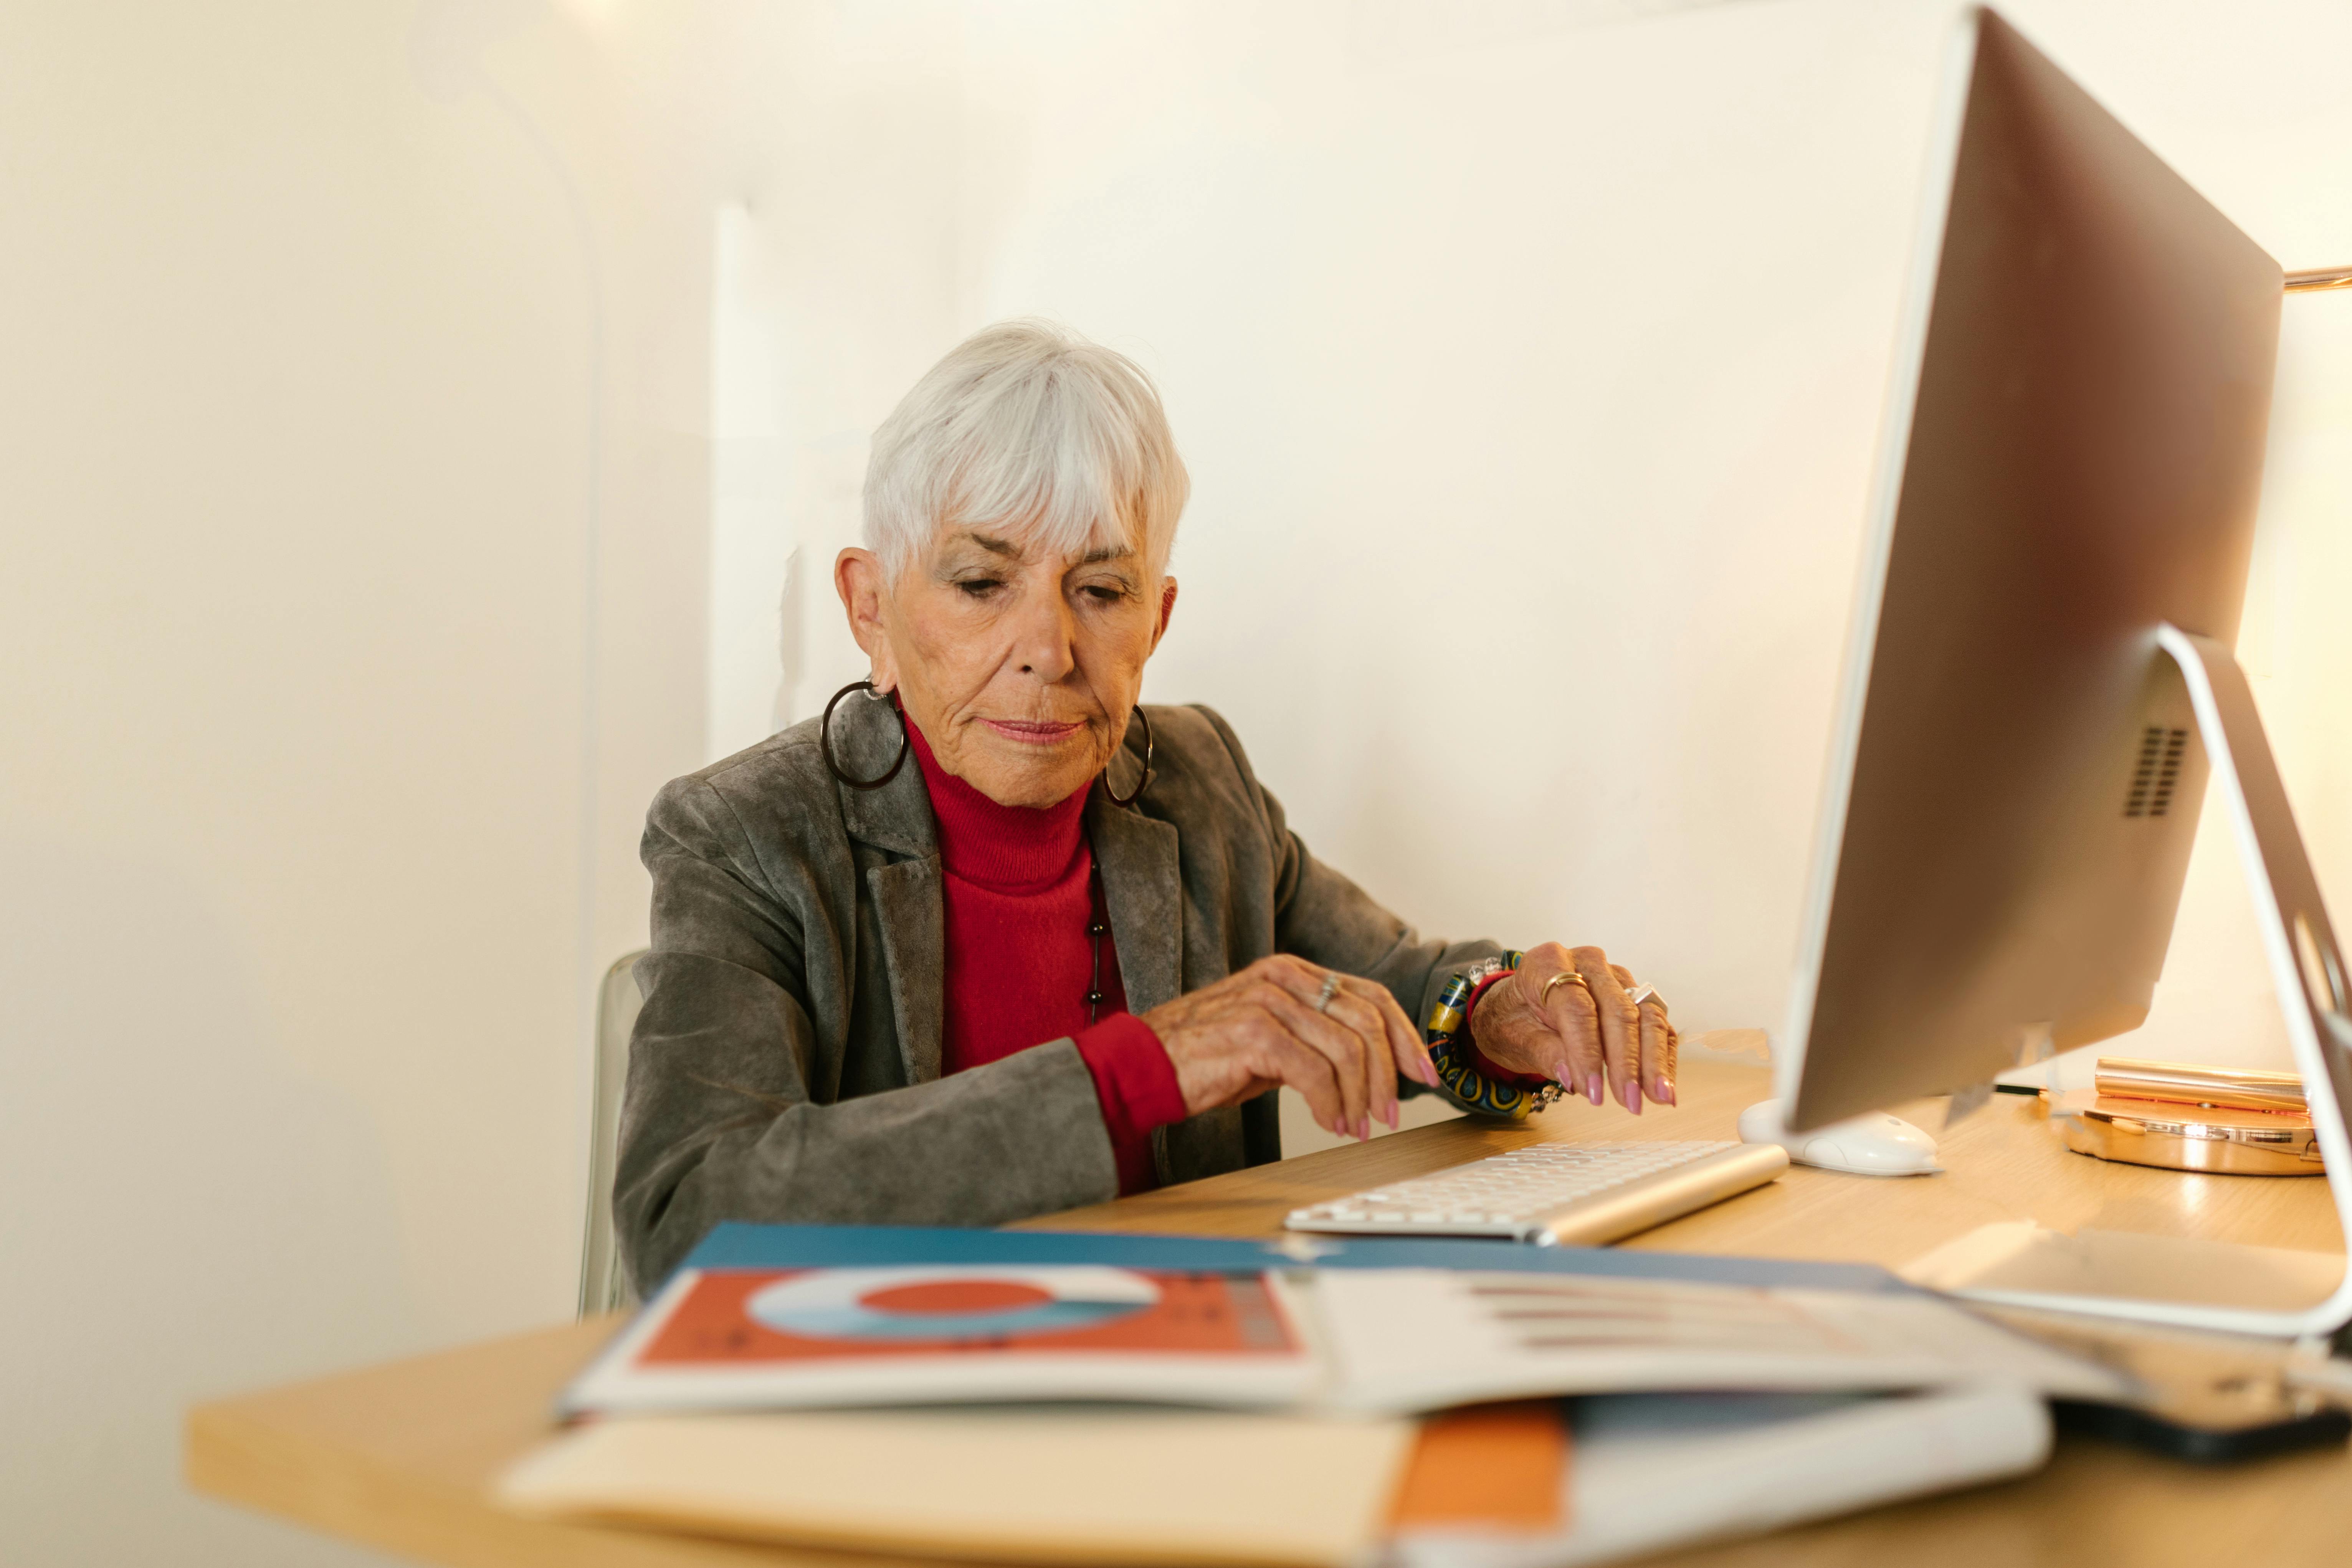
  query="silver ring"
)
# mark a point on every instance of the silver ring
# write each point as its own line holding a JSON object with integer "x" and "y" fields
{"x": 1331, "y": 989}
{"x": 1641, "y": 994}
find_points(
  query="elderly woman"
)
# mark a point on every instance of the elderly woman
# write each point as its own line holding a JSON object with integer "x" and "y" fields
{"x": 989, "y": 940}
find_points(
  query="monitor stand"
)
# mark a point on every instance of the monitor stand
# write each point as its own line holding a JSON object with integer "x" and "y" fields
{"x": 2212, "y": 1285}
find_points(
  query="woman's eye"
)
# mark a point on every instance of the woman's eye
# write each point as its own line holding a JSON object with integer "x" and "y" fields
{"x": 978, "y": 587}
{"x": 1103, "y": 593}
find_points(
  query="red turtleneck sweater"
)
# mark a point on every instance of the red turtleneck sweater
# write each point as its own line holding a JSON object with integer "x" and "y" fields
{"x": 1019, "y": 960}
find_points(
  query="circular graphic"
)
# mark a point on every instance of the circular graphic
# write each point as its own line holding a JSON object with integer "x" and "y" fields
{"x": 949, "y": 1303}
{"x": 948, "y": 1297}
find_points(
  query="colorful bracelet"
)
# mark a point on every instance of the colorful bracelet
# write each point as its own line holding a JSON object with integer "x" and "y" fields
{"x": 1466, "y": 1084}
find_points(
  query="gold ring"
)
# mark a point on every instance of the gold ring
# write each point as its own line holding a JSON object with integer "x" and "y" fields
{"x": 1565, "y": 977}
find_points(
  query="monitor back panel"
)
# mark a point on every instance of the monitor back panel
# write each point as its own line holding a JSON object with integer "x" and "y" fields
{"x": 2017, "y": 774}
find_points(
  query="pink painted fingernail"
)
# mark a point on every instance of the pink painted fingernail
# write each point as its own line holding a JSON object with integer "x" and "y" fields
{"x": 1633, "y": 1096}
{"x": 1429, "y": 1074}
{"x": 1592, "y": 1089}
{"x": 1393, "y": 1117}
{"x": 1664, "y": 1091}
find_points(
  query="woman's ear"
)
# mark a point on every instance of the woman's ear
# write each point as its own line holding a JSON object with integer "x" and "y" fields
{"x": 857, "y": 578}
{"x": 1167, "y": 608}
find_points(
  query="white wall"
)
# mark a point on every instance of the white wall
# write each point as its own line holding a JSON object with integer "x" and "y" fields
{"x": 1529, "y": 361}
{"x": 1527, "y": 358}
{"x": 321, "y": 772}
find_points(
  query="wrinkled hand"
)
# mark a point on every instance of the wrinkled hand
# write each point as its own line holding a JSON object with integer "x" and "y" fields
{"x": 1258, "y": 1029}
{"x": 1580, "y": 1033}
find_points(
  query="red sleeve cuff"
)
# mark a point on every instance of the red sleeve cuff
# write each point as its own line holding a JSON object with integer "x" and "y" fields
{"x": 1478, "y": 1059}
{"x": 1136, "y": 1086}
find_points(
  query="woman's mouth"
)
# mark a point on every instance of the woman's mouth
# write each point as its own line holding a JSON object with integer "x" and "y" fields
{"x": 1032, "y": 731}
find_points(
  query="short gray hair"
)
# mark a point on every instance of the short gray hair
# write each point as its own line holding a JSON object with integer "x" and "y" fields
{"x": 1028, "y": 427}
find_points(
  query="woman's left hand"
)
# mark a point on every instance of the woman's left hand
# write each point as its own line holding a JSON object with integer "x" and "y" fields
{"x": 1580, "y": 1030}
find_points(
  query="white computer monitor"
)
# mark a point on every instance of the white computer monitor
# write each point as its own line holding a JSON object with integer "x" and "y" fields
{"x": 2040, "y": 681}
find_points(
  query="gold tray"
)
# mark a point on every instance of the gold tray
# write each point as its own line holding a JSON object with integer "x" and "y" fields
{"x": 2192, "y": 1137}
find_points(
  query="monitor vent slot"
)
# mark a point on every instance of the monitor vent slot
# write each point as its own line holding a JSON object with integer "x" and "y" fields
{"x": 2157, "y": 772}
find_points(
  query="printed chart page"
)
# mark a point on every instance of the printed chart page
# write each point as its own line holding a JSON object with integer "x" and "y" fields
{"x": 1404, "y": 1339}
{"x": 723, "y": 1338}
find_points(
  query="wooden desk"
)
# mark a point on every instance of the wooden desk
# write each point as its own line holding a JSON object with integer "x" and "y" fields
{"x": 400, "y": 1457}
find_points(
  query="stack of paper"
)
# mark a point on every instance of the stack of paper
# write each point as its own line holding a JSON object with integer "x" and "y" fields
{"x": 1400, "y": 1340}
{"x": 1115, "y": 1400}
{"x": 1500, "y": 1486}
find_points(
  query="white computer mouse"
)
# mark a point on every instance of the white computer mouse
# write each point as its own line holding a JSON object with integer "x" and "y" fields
{"x": 1873, "y": 1145}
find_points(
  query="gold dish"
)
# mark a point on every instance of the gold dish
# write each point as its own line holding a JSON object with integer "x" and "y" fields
{"x": 2218, "y": 1140}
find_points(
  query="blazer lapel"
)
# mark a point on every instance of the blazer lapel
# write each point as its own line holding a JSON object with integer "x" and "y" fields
{"x": 897, "y": 815}
{"x": 1142, "y": 886}
{"x": 909, "y": 904}
{"x": 911, "y": 910}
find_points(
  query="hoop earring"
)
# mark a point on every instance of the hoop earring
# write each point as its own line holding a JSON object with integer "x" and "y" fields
{"x": 1142, "y": 783}
{"x": 825, "y": 738}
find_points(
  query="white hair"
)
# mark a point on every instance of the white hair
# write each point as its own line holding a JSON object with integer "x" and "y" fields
{"x": 1028, "y": 429}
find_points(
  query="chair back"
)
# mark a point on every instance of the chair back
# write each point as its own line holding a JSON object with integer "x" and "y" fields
{"x": 604, "y": 1285}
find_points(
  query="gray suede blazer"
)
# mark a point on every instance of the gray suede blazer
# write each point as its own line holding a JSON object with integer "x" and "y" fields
{"x": 786, "y": 1064}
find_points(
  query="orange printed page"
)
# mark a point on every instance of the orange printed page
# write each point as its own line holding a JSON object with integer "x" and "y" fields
{"x": 741, "y": 1317}
{"x": 1487, "y": 1467}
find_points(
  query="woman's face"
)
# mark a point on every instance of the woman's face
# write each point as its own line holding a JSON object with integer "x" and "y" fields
{"x": 1020, "y": 666}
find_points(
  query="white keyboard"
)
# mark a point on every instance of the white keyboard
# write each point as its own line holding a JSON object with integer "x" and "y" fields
{"x": 1579, "y": 1194}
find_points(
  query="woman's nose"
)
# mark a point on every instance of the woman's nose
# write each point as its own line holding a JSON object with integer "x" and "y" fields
{"x": 1043, "y": 639}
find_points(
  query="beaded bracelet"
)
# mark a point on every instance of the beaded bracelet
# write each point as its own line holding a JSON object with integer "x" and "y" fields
{"x": 1465, "y": 1083}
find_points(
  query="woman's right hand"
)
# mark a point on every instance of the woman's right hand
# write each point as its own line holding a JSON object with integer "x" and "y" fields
{"x": 1258, "y": 1029}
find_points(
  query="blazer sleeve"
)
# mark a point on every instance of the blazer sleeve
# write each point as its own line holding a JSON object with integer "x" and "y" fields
{"x": 720, "y": 1120}
{"x": 1324, "y": 917}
